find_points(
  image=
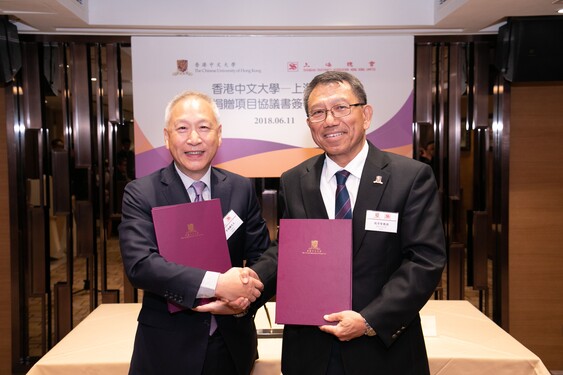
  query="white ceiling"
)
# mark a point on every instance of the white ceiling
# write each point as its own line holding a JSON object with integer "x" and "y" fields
{"x": 225, "y": 17}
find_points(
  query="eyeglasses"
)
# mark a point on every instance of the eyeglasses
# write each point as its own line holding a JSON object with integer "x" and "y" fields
{"x": 339, "y": 110}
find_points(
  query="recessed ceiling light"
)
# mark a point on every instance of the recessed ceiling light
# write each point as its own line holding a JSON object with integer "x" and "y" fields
{"x": 560, "y": 11}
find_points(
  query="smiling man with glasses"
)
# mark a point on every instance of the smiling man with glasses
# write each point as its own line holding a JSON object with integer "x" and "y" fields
{"x": 397, "y": 264}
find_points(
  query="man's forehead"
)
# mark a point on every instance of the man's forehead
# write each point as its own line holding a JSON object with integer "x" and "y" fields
{"x": 191, "y": 120}
{"x": 334, "y": 98}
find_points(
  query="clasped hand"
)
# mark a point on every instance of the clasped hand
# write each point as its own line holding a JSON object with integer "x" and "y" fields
{"x": 235, "y": 290}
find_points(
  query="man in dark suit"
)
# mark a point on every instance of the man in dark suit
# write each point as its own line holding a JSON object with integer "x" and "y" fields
{"x": 192, "y": 342}
{"x": 396, "y": 268}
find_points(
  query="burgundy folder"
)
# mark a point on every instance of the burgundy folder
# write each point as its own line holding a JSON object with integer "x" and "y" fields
{"x": 314, "y": 270}
{"x": 192, "y": 234}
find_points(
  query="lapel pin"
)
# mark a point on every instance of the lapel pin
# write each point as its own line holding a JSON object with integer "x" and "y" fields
{"x": 378, "y": 180}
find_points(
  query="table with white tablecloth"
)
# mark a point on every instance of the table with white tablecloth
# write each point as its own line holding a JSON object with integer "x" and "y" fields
{"x": 459, "y": 340}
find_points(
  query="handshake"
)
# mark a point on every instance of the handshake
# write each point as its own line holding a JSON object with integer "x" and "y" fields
{"x": 235, "y": 290}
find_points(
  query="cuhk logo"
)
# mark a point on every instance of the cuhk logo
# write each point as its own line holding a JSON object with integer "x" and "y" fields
{"x": 182, "y": 65}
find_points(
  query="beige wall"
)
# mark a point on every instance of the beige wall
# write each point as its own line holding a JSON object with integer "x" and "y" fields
{"x": 5, "y": 282}
{"x": 536, "y": 220}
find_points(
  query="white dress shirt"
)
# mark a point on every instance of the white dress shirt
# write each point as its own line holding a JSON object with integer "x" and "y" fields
{"x": 328, "y": 179}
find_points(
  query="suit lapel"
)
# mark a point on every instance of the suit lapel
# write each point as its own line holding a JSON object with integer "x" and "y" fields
{"x": 221, "y": 188}
{"x": 372, "y": 185}
{"x": 310, "y": 193}
{"x": 173, "y": 189}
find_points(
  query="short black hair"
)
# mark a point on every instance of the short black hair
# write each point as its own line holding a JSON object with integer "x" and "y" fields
{"x": 334, "y": 76}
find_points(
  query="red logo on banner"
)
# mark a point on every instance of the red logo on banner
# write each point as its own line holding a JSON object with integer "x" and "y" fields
{"x": 292, "y": 67}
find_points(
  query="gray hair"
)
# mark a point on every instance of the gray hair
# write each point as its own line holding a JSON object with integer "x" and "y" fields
{"x": 186, "y": 94}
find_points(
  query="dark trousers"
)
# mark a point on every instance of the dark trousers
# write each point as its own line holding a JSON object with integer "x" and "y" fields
{"x": 218, "y": 360}
{"x": 335, "y": 365}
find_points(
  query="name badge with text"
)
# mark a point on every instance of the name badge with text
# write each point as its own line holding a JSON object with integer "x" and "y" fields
{"x": 381, "y": 221}
{"x": 231, "y": 221}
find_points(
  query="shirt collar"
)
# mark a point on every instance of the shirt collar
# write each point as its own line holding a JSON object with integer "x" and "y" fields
{"x": 188, "y": 181}
{"x": 355, "y": 166}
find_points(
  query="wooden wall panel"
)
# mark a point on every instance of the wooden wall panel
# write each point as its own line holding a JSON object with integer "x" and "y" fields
{"x": 535, "y": 220}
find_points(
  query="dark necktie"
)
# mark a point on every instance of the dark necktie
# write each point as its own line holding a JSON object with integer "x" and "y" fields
{"x": 199, "y": 186}
{"x": 343, "y": 207}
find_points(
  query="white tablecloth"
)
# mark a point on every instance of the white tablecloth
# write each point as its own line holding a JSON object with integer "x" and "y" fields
{"x": 465, "y": 342}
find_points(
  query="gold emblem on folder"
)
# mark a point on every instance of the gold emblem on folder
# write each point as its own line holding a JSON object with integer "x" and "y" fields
{"x": 191, "y": 231}
{"x": 314, "y": 248}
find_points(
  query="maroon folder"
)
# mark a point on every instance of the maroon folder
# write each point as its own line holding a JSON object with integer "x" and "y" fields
{"x": 314, "y": 270}
{"x": 192, "y": 234}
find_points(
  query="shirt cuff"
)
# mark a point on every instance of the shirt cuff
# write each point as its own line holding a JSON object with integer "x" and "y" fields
{"x": 208, "y": 285}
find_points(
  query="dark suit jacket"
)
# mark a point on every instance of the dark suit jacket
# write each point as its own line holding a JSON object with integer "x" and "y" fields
{"x": 394, "y": 274}
{"x": 176, "y": 343}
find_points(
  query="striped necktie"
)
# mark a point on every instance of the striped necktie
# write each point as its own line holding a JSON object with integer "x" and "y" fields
{"x": 343, "y": 207}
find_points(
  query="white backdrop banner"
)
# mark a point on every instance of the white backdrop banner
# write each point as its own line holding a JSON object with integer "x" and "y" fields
{"x": 258, "y": 83}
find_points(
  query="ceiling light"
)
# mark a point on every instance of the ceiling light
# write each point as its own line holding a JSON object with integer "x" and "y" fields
{"x": 560, "y": 11}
